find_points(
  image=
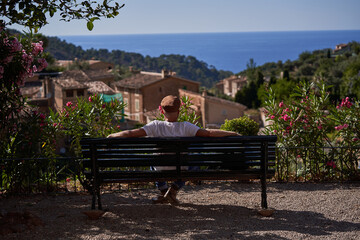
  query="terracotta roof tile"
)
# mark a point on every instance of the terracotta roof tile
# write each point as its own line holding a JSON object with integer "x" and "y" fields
{"x": 69, "y": 83}
{"x": 95, "y": 74}
{"x": 138, "y": 80}
{"x": 99, "y": 87}
{"x": 77, "y": 75}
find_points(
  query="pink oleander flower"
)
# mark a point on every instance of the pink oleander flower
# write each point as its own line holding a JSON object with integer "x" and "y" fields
{"x": 34, "y": 69}
{"x": 42, "y": 116}
{"x": 69, "y": 104}
{"x": 118, "y": 126}
{"x": 68, "y": 179}
{"x": 331, "y": 164}
{"x": 281, "y": 104}
{"x": 345, "y": 103}
{"x": 90, "y": 99}
{"x": 286, "y": 117}
{"x": 55, "y": 124}
{"x": 8, "y": 59}
{"x": 340, "y": 127}
{"x": 103, "y": 106}
{"x": 319, "y": 127}
{"x": 356, "y": 139}
{"x": 272, "y": 117}
{"x": 37, "y": 48}
{"x": 43, "y": 64}
{"x": 16, "y": 45}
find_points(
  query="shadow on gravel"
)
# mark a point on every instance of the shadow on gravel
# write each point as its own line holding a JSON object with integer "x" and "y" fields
{"x": 132, "y": 216}
{"x": 147, "y": 221}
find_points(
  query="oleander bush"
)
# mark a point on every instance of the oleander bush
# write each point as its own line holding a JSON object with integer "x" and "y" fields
{"x": 317, "y": 140}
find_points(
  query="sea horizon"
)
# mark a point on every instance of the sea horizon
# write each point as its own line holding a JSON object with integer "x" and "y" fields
{"x": 174, "y": 33}
{"x": 229, "y": 51}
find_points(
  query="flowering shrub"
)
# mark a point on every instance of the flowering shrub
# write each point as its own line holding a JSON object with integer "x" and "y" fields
{"x": 314, "y": 136}
{"x": 186, "y": 112}
{"x": 90, "y": 117}
{"x": 19, "y": 59}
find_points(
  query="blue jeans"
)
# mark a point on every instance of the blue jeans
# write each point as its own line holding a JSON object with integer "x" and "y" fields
{"x": 163, "y": 185}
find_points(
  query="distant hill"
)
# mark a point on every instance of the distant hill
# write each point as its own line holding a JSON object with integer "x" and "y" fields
{"x": 185, "y": 66}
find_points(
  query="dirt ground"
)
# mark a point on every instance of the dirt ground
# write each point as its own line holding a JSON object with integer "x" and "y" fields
{"x": 218, "y": 210}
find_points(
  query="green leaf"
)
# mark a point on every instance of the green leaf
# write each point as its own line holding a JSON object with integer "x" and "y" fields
{"x": 90, "y": 25}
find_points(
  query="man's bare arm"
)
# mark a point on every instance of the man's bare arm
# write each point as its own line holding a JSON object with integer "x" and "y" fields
{"x": 129, "y": 133}
{"x": 215, "y": 133}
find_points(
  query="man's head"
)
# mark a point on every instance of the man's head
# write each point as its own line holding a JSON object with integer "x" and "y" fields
{"x": 170, "y": 104}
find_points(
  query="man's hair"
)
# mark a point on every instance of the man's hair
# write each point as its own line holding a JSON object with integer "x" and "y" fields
{"x": 170, "y": 103}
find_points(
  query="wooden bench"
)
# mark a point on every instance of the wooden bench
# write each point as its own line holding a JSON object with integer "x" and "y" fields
{"x": 128, "y": 160}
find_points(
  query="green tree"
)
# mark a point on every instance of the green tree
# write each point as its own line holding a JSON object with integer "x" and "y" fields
{"x": 34, "y": 14}
{"x": 248, "y": 96}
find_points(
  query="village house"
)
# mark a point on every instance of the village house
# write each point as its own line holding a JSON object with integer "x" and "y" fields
{"x": 143, "y": 92}
{"x": 213, "y": 111}
{"x": 231, "y": 85}
{"x": 54, "y": 90}
{"x": 68, "y": 90}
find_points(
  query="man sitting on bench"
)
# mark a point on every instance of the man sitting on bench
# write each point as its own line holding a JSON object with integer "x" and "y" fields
{"x": 170, "y": 128}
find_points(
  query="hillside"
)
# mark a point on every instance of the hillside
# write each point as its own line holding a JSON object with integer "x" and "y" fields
{"x": 185, "y": 66}
{"x": 337, "y": 68}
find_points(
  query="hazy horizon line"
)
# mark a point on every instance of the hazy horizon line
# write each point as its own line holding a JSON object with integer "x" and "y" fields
{"x": 175, "y": 33}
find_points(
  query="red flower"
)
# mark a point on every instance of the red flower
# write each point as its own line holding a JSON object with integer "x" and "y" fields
{"x": 286, "y": 117}
{"x": 68, "y": 104}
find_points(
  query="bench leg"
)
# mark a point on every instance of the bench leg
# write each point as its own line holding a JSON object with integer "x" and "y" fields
{"x": 93, "y": 200}
{"x": 99, "y": 198}
{"x": 263, "y": 194}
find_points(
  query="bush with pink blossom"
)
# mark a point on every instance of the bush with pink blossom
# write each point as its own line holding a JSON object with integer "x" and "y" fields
{"x": 312, "y": 132}
{"x": 20, "y": 58}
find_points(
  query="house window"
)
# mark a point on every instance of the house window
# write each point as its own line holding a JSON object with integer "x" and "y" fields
{"x": 137, "y": 118}
{"x": 80, "y": 92}
{"x": 126, "y": 101}
{"x": 184, "y": 87}
{"x": 69, "y": 93}
{"x": 137, "y": 105}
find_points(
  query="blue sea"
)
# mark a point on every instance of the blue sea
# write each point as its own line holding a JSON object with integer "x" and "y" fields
{"x": 224, "y": 51}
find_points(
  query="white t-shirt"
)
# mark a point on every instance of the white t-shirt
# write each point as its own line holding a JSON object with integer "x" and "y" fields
{"x": 158, "y": 128}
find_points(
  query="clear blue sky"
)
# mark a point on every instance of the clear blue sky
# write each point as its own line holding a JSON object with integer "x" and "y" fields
{"x": 189, "y": 16}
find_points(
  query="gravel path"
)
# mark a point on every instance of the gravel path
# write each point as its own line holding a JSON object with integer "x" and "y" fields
{"x": 209, "y": 211}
